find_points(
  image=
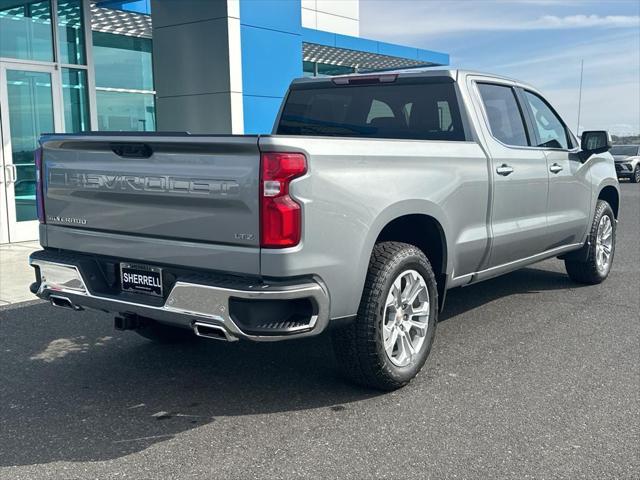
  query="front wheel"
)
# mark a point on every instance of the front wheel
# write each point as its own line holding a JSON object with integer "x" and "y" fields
{"x": 390, "y": 340}
{"x": 602, "y": 243}
{"x": 635, "y": 176}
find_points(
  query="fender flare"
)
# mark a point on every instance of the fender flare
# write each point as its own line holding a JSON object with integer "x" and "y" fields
{"x": 397, "y": 210}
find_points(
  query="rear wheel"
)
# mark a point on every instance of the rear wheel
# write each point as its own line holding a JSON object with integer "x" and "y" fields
{"x": 390, "y": 340}
{"x": 602, "y": 242}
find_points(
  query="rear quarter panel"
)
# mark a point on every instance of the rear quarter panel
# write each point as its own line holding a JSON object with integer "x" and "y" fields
{"x": 355, "y": 187}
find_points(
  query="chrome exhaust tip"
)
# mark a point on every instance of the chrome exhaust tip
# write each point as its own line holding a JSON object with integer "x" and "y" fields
{"x": 63, "y": 302}
{"x": 215, "y": 332}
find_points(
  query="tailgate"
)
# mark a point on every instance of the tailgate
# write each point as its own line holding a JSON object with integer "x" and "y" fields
{"x": 182, "y": 187}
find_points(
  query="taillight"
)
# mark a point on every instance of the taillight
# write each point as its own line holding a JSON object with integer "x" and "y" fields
{"x": 39, "y": 185}
{"x": 280, "y": 215}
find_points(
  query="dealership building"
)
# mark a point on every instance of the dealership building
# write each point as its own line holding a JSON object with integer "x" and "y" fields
{"x": 203, "y": 66}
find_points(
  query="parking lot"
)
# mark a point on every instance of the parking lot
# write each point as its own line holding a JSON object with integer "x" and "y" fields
{"x": 531, "y": 376}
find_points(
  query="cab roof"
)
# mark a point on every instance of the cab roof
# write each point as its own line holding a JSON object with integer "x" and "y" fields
{"x": 426, "y": 72}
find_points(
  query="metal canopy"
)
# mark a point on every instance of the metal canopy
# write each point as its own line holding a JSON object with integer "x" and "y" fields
{"x": 109, "y": 20}
{"x": 312, "y": 52}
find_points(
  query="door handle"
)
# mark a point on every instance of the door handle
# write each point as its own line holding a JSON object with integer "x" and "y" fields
{"x": 10, "y": 174}
{"x": 504, "y": 170}
{"x": 555, "y": 168}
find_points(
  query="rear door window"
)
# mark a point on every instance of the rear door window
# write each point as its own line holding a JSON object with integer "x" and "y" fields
{"x": 423, "y": 111}
{"x": 503, "y": 112}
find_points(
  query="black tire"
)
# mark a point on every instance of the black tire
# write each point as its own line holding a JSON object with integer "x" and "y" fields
{"x": 587, "y": 271}
{"x": 359, "y": 347}
{"x": 161, "y": 333}
{"x": 635, "y": 176}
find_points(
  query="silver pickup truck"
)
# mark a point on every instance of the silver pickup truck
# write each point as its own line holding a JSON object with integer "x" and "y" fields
{"x": 375, "y": 195}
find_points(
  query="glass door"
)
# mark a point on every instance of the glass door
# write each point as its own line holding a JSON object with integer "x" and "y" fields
{"x": 4, "y": 222}
{"x": 30, "y": 106}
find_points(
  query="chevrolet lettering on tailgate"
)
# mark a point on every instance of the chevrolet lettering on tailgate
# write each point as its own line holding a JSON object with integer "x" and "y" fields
{"x": 142, "y": 183}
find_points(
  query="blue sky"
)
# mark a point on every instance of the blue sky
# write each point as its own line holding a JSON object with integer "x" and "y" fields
{"x": 538, "y": 41}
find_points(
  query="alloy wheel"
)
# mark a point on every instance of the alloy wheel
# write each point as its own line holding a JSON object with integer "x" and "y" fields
{"x": 406, "y": 318}
{"x": 604, "y": 244}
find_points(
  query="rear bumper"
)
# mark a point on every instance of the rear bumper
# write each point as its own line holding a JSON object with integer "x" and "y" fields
{"x": 67, "y": 280}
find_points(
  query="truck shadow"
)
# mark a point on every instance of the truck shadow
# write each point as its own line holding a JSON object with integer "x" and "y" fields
{"x": 73, "y": 389}
{"x": 527, "y": 280}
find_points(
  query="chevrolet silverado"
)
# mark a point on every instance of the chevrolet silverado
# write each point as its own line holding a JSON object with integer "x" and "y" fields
{"x": 375, "y": 194}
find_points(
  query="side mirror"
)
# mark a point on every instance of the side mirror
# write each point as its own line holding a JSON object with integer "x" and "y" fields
{"x": 594, "y": 141}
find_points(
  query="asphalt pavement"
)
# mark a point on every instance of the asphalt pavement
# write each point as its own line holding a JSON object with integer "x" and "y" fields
{"x": 530, "y": 376}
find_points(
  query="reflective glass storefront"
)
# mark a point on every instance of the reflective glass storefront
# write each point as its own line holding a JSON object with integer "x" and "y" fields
{"x": 317, "y": 69}
{"x": 124, "y": 82}
{"x": 25, "y": 30}
{"x": 43, "y": 89}
{"x": 30, "y": 102}
{"x": 124, "y": 111}
{"x": 75, "y": 100}
{"x": 121, "y": 61}
{"x": 46, "y": 86}
{"x": 70, "y": 31}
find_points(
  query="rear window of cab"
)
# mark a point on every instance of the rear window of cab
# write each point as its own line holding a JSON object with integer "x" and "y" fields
{"x": 420, "y": 111}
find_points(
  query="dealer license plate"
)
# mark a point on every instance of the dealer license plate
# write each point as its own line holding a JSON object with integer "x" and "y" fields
{"x": 141, "y": 279}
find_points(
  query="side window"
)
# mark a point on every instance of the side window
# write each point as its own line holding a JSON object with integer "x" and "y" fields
{"x": 505, "y": 118}
{"x": 379, "y": 110}
{"x": 406, "y": 111}
{"x": 444, "y": 114}
{"x": 551, "y": 131}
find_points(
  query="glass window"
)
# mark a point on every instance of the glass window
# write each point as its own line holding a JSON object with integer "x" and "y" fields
{"x": 325, "y": 69}
{"x": 123, "y": 111}
{"x": 74, "y": 97}
{"x": 395, "y": 110}
{"x": 71, "y": 32}
{"x": 550, "y": 129}
{"x": 444, "y": 112}
{"x": 503, "y": 112}
{"x": 30, "y": 115}
{"x": 25, "y": 30}
{"x": 379, "y": 110}
{"x": 122, "y": 61}
{"x": 309, "y": 69}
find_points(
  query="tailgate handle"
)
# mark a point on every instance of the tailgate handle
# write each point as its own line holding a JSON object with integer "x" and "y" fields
{"x": 132, "y": 150}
